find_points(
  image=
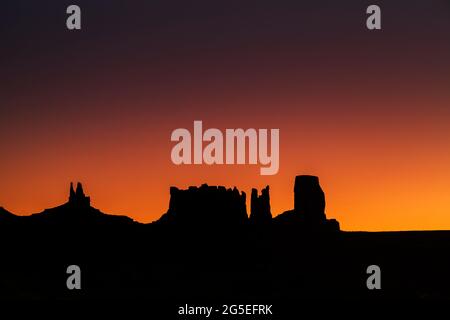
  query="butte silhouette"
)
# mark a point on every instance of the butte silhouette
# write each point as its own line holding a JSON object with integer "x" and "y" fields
{"x": 207, "y": 247}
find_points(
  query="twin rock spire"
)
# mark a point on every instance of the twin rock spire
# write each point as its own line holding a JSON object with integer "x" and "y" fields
{"x": 78, "y": 197}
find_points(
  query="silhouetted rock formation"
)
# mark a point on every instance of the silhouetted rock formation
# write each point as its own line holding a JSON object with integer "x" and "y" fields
{"x": 78, "y": 198}
{"x": 288, "y": 259}
{"x": 309, "y": 206}
{"x": 309, "y": 198}
{"x": 78, "y": 211}
{"x": 260, "y": 206}
{"x": 206, "y": 205}
{"x": 221, "y": 207}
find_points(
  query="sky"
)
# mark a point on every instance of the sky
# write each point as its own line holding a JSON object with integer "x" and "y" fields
{"x": 366, "y": 111}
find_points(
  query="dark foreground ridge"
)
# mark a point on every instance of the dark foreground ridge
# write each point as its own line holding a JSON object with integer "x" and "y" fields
{"x": 207, "y": 247}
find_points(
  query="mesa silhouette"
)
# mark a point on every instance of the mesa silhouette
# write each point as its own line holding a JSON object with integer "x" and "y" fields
{"x": 207, "y": 246}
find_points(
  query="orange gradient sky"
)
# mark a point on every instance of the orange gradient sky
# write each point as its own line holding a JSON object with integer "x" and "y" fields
{"x": 368, "y": 113}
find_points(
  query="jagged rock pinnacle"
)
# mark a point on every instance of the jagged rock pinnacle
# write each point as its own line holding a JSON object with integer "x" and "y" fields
{"x": 78, "y": 197}
{"x": 260, "y": 206}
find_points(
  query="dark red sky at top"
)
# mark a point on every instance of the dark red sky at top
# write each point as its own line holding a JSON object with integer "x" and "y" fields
{"x": 367, "y": 111}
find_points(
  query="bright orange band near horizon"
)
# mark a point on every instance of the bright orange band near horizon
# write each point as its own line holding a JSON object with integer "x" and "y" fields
{"x": 375, "y": 177}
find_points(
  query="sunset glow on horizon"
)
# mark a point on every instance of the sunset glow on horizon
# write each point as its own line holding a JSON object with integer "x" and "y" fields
{"x": 368, "y": 114}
